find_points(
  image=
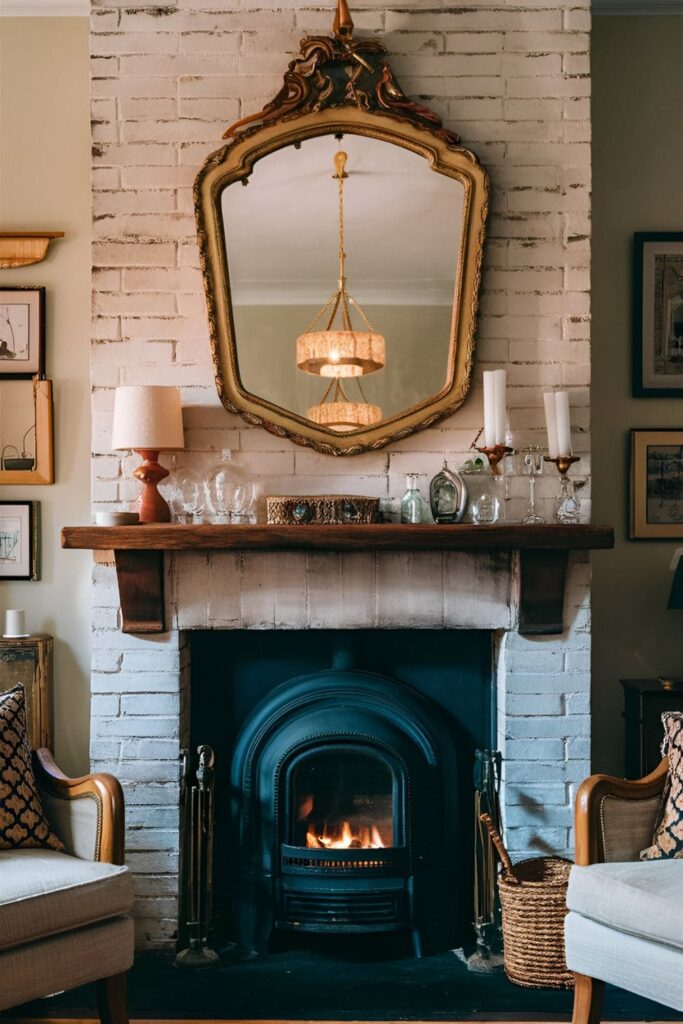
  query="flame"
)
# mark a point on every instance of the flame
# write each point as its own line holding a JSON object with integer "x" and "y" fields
{"x": 343, "y": 837}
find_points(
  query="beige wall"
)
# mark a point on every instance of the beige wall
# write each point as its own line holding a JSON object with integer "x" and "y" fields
{"x": 637, "y": 186}
{"x": 45, "y": 183}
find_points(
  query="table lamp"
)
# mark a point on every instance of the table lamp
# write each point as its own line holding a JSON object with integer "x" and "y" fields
{"x": 148, "y": 419}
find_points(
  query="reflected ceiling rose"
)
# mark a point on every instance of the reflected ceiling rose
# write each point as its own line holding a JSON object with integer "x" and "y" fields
{"x": 340, "y": 353}
{"x": 345, "y": 416}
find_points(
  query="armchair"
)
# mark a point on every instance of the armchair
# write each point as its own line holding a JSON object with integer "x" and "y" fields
{"x": 65, "y": 917}
{"x": 623, "y": 925}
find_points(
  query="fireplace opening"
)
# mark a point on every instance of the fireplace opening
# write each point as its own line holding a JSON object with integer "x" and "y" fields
{"x": 344, "y": 792}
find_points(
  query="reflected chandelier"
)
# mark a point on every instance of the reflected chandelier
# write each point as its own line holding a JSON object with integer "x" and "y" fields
{"x": 341, "y": 352}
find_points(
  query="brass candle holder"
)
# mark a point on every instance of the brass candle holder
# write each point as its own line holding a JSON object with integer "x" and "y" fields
{"x": 567, "y": 506}
{"x": 563, "y": 462}
{"x": 495, "y": 454}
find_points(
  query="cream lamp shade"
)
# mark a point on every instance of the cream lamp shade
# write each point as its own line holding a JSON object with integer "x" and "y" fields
{"x": 148, "y": 418}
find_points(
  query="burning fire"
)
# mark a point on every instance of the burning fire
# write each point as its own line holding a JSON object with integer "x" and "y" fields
{"x": 343, "y": 837}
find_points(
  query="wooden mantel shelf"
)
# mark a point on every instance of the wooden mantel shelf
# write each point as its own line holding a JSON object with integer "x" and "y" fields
{"x": 138, "y": 552}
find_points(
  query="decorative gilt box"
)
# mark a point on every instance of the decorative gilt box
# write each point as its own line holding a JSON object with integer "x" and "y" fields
{"x": 322, "y": 509}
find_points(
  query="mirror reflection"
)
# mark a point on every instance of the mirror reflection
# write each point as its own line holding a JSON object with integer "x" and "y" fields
{"x": 343, "y": 298}
{"x": 17, "y": 425}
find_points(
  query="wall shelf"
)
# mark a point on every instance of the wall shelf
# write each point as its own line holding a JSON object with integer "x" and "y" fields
{"x": 21, "y": 248}
{"x": 138, "y": 554}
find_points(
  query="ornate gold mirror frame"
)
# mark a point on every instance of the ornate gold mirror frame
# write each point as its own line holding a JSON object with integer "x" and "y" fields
{"x": 339, "y": 85}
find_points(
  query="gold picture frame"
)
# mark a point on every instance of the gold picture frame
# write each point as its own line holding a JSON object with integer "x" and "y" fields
{"x": 656, "y": 485}
{"x": 339, "y": 86}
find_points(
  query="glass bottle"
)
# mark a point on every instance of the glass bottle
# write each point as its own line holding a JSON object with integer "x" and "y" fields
{"x": 411, "y": 503}
{"x": 447, "y": 496}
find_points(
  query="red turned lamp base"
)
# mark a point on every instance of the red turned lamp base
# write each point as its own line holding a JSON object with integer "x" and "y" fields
{"x": 153, "y": 508}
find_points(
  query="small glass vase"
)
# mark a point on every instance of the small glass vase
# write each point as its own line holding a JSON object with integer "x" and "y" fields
{"x": 411, "y": 503}
{"x": 485, "y": 493}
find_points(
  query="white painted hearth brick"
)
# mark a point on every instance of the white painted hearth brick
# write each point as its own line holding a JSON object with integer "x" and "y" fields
{"x": 512, "y": 77}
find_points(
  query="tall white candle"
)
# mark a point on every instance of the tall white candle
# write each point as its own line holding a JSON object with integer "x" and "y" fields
{"x": 564, "y": 434}
{"x": 499, "y": 382}
{"x": 15, "y": 622}
{"x": 551, "y": 424}
{"x": 489, "y": 409}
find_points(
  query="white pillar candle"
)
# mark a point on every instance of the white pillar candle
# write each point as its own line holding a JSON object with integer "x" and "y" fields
{"x": 489, "y": 409}
{"x": 15, "y": 622}
{"x": 499, "y": 383}
{"x": 564, "y": 434}
{"x": 551, "y": 424}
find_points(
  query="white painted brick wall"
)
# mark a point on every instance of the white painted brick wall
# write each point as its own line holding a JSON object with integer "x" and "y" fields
{"x": 512, "y": 77}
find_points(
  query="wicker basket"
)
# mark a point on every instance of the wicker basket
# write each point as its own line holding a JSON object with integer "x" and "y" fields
{"x": 533, "y": 896}
{"x": 534, "y": 909}
{"x": 323, "y": 509}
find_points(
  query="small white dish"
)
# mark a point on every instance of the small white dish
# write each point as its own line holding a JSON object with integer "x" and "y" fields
{"x": 117, "y": 518}
{"x": 15, "y": 636}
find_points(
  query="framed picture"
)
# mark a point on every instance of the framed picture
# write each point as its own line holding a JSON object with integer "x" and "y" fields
{"x": 22, "y": 332}
{"x": 656, "y": 484}
{"x": 20, "y": 540}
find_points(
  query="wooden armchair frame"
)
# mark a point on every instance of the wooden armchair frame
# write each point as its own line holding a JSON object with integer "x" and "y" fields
{"x": 109, "y": 849}
{"x": 588, "y": 992}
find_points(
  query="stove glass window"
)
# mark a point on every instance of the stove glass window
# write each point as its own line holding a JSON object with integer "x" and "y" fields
{"x": 344, "y": 800}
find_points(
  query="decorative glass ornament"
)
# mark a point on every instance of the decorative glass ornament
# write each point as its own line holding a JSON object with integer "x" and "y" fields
{"x": 448, "y": 496}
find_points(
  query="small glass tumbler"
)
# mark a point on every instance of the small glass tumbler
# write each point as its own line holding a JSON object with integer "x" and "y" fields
{"x": 485, "y": 494}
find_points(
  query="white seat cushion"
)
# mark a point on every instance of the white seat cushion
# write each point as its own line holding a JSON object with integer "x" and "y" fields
{"x": 43, "y": 892}
{"x": 643, "y": 898}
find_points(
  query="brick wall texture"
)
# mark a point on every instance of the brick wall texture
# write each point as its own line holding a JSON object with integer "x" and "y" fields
{"x": 513, "y": 78}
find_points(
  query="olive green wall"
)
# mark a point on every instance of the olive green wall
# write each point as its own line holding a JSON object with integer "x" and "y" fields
{"x": 637, "y": 186}
{"x": 45, "y": 185}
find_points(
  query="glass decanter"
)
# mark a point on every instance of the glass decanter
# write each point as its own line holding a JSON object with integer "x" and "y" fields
{"x": 230, "y": 492}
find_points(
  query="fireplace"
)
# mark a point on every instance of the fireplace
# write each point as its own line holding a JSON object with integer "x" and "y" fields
{"x": 344, "y": 800}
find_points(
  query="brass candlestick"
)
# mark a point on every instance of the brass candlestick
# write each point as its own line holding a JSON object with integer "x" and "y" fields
{"x": 563, "y": 462}
{"x": 495, "y": 454}
{"x": 567, "y": 506}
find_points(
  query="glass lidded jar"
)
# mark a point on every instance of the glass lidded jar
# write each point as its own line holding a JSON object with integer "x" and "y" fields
{"x": 485, "y": 493}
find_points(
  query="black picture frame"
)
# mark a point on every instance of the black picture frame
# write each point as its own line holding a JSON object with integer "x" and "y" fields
{"x": 644, "y": 300}
{"x": 663, "y": 487}
{"x": 29, "y": 512}
{"x": 37, "y": 365}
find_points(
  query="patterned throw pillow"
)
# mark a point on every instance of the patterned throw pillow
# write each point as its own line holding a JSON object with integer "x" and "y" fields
{"x": 668, "y": 838}
{"x": 22, "y": 822}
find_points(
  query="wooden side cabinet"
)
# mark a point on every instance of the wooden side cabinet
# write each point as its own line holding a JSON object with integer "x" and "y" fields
{"x": 644, "y": 702}
{"x": 28, "y": 660}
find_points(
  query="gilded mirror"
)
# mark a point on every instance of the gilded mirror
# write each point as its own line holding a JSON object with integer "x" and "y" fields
{"x": 342, "y": 282}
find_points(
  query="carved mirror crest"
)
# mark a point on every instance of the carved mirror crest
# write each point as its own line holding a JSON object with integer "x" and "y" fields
{"x": 342, "y": 284}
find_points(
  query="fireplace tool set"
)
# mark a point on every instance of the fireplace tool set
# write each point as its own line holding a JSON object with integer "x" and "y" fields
{"x": 197, "y": 812}
{"x": 487, "y": 915}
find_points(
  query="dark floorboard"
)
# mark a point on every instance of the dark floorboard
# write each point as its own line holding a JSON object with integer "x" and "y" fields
{"x": 314, "y": 985}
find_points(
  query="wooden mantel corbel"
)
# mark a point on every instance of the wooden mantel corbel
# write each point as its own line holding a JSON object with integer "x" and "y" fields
{"x": 139, "y": 556}
{"x": 21, "y": 248}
